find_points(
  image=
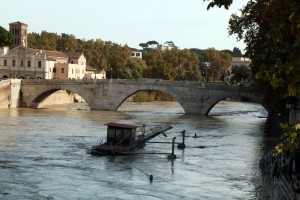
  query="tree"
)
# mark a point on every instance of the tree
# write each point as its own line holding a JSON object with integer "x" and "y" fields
{"x": 228, "y": 51}
{"x": 170, "y": 44}
{"x": 172, "y": 64}
{"x": 219, "y": 3}
{"x": 218, "y": 63}
{"x": 134, "y": 68}
{"x": 152, "y": 43}
{"x": 67, "y": 43}
{"x": 273, "y": 43}
{"x": 241, "y": 72}
{"x": 200, "y": 53}
{"x": 6, "y": 38}
{"x": 143, "y": 45}
{"x": 237, "y": 52}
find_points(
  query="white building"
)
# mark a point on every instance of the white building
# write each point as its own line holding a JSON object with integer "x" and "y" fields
{"x": 24, "y": 62}
{"x": 136, "y": 53}
{"x": 162, "y": 47}
{"x": 238, "y": 61}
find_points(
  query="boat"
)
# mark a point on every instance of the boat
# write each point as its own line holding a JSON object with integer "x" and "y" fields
{"x": 123, "y": 139}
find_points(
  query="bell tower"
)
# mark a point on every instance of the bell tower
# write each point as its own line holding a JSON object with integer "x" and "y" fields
{"x": 19, "y": 32}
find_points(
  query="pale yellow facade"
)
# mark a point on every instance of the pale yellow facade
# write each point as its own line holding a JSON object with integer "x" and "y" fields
{"x": 23, "y": 62}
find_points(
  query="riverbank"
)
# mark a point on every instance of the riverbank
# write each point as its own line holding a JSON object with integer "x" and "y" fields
{"x": 281, "y": 175}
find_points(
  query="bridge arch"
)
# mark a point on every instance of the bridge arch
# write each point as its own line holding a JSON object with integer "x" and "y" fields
{"x": 214, "y": 102}
{"x": 148, "y": 90}
{"x": 42, "y": 93}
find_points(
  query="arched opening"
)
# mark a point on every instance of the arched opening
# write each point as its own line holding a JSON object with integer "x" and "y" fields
{"x": 237, "y": 106}
{"x": 151, "y": 101}
{"x": 59, "y": 99}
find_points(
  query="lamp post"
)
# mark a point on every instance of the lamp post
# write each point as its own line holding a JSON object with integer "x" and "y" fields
{"x": 111, "y": 73}
{"x": 187, "y": 74}
{"x": 118, "y": 72}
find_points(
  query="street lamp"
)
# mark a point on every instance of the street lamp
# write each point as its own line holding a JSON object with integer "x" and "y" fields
{"x": 187, "y": 74}
{"x": 118, "y": 73}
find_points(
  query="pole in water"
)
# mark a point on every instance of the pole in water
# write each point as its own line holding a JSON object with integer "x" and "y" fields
{"x": 151, "y": 178}
{"x": 182, "y": 145}
{"x": 172, "y": 156}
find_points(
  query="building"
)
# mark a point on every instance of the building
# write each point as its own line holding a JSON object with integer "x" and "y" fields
{"x": 92, "y": 74}
{"x": 19, "y": 32}
{"x": 136, "y": 53}
{"x": 163, "y": 47}
{"x": 23, "y": 62}
{"x": 238, "y": 61}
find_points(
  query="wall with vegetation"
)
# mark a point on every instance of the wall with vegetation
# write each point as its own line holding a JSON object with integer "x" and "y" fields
{"x": 280, "y": 175}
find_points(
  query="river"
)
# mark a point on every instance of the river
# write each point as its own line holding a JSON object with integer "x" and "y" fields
{"x": 44, "y": 153}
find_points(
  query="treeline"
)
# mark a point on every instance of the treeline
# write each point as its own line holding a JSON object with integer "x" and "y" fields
{"x": 116, "y": 60}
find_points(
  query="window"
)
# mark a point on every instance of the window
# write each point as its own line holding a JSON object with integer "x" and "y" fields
{"x": 62, "y": 70}
{"x": 39, "y": 64}
{"x": 14, "y": 63}
{"x": 22, "y": 63}
{"x": 138, "y": 54}
{"x": 54, "y": 70}
{"x": 132, "y": 54}
{"x": 5, "y": 62}
{"x": 28, "y": 63}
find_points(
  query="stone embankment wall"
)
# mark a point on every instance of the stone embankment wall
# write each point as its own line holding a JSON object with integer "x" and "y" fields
{"x": 280, "y": 175}
{"x": 4, "y": 93}
{"x": 10, "y": 95}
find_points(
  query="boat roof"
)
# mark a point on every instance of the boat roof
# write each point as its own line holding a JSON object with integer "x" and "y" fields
{"x": 127, "y": 126}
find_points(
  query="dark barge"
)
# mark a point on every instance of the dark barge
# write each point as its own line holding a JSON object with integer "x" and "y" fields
{"x": 123, "y": 139}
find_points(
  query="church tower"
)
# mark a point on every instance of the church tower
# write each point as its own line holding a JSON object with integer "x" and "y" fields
{"x": 19, "y": 32}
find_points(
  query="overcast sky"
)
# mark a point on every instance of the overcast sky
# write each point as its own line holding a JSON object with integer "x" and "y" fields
{"x": 185, "y": 22}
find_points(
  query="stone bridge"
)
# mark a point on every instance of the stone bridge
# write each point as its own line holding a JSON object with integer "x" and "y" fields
{"x": 109, "y": 94}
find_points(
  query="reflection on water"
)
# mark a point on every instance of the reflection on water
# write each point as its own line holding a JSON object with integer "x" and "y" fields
{"x": 44, "y": 153}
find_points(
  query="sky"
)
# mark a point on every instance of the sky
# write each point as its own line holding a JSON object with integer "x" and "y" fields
{"x": 185, "y": 22}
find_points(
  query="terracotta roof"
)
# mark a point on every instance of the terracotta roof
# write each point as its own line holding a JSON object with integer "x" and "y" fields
{"x": 73, "y": 55}
{"x": 49, "y": 53}
{"x": 127, "y": 126}
{"x": 89, "y": 68}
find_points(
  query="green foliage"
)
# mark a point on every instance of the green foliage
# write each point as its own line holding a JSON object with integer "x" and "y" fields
{"x": 219, "y": 3}
{"x": 218, "y": 63}
{"x": 143, "y": 45}
{"x": 241, "y": 72}
{"x": 273, "y": 44}
{"x": 200, "y": 53}
{"x": 289, "y": 138}
{"x": 237, "y": 52}
{"x": 172, "y": 64}
{"x": 6, "y": 38}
